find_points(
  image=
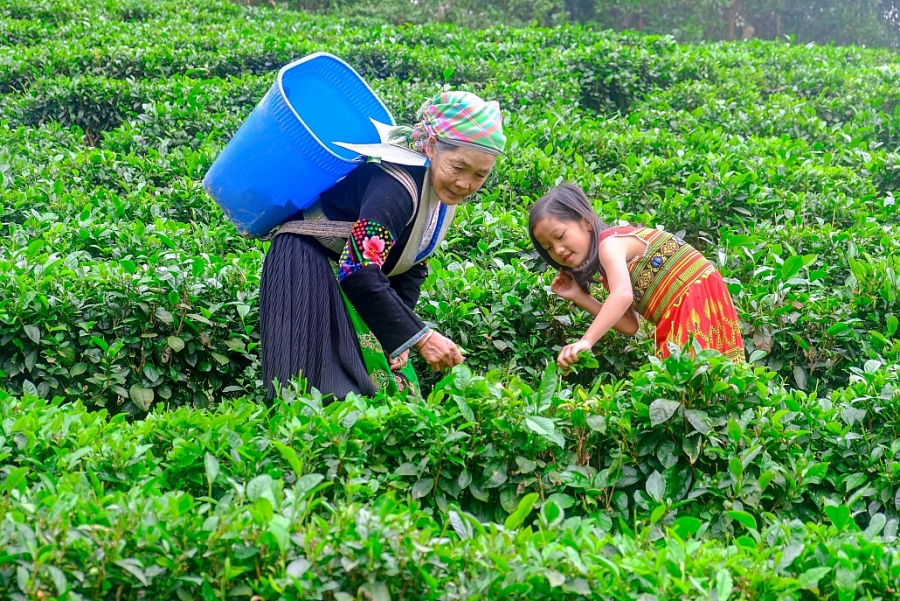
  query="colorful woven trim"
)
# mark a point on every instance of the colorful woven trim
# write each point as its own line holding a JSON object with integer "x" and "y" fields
{"x": 369, "y": 244}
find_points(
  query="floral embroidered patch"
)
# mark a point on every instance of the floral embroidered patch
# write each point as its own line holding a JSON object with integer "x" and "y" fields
{"x": 369, "y": 244}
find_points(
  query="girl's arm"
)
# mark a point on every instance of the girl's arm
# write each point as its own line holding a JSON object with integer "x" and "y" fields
{"x": 564, "y": 285}
{"x": 629, "y": 323}
{"x": 613, "y": 255}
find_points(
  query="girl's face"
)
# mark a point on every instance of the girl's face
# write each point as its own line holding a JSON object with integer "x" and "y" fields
{"x": 567, "y": 242}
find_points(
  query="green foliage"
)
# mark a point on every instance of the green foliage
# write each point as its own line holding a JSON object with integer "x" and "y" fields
{"x": 137, "y": 462}
{"x": 721, "y": 467}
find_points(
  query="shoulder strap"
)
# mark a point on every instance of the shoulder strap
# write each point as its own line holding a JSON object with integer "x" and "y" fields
{"x": 334, "y": 234}
{"x": 406, "y": 180}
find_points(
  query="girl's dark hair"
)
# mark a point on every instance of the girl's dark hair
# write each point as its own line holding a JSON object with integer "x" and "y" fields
{"x": 568, "y": 202}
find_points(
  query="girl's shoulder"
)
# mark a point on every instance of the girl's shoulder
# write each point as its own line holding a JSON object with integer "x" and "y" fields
{"x": 619, "y": 230}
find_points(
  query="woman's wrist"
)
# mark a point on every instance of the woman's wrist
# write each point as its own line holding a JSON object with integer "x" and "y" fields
{"x": 424, "y": 339}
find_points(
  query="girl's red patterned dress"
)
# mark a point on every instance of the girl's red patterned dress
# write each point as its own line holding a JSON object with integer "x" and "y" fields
{"x": 679, "y": 290}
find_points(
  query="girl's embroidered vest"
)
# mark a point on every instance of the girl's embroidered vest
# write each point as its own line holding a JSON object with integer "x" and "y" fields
{"x": 334, "y": 234}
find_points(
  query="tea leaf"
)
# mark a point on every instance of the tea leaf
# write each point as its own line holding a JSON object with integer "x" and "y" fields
{"x": 78, "y": 369}
{"x": 15, "y": 479}
{"x": 656, "y": 486}
{"x": 142, "y": 397}
{"x": 691, "y": 447}
{"x": 810, "y": 578}
{"x": 29, "y": 388}
{"x": 259, "y": 487}
{"x": 212, "y": 468}
{"x": 544, "y": 427}
{"x": 736, "y": 467}
{"x": 508, "y": 499}
{"x": 791, "y": 267}
{"x": 547, "y": 389}
{"x": 298, "y": 567}
{"x": 800, "y": 377}
{"x": 678, "y": 481}
{"x": 791, "y": 552}
{"x": 34, "y": 247}
{"x": 464, "y": 408}
{"x": 562, "y": 500}
{"x": 554, "y": 578}
{"x": 350, "y": 419}
{"x": 133, "y": 567}
{"x": 845, "y": 579}
{"x": 596, "y": 423}
{"x": 744, "y": 518}
{"x": 462, "y": 527}
{"x": 376, "y": 591}
{"x": 586, "y": 360}
{"x": 686, "y": 526}
{"x": 34, "y": 333}
{"x": 876, "y": 525}
{"x": 839, "y": 515}
{"x": 59, "y": 579}
{"x": 757, "y": 356}
{"x": 852, "y": 415}
{"x": 422, "y": 488}
{"x": 661, "y": 410}
{"x": 551, "y": 513}
{"x": 290, "y": 456}
{"x": 766, "y": 478}
{"x": 838, "y": 328}
{"x": 891, "y": 324}
{"x": 516, "y": 518}
{"x": 526, "y": 466}
{"x": 724, "y": 584}
{"x": 464, "y": 479}
{"x": 698, "y": 419}
{"x": 665, "y": 452}
{"x": 307, "y": 483}
{"x": 871, "y": 366}
{"x": 407, "y": 469}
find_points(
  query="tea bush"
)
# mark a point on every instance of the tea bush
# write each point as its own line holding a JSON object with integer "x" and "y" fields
{"x": 137, "y": 459}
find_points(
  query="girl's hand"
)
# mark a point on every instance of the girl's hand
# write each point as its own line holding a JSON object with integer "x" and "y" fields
{"x": 400, "y": 361}
{"x": 569, "y": 354}
{"x": 439, "y": 351}
{"x": 564, "y": 285}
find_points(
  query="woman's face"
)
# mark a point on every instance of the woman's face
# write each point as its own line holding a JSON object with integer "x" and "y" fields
{"x": 567, "y": 242}
{"x": 458, "y": 172}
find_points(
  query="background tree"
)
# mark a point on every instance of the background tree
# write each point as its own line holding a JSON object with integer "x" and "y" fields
{"x": 842, "y": 22}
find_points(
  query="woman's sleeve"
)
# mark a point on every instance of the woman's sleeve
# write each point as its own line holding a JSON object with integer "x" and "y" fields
{"x": 385, "y": 210}
{"x": 408, "y": 284}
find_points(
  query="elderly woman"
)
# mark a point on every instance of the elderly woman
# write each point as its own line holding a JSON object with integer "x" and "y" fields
{"x": 354, "y": 332}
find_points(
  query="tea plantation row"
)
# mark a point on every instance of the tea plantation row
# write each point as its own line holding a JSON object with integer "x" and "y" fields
{"x": 124, "y": 289}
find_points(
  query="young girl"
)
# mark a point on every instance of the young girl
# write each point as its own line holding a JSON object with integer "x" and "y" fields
{"x": 648, "y": 272}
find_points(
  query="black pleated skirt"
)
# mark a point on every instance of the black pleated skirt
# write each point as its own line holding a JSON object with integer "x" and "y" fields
{"x": 305, "y": 328}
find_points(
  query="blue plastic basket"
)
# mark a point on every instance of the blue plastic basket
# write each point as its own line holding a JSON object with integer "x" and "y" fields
{"x": 283, "y": 156}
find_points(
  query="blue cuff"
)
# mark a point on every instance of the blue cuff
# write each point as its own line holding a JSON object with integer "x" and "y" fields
{"x": 417, "y": 337}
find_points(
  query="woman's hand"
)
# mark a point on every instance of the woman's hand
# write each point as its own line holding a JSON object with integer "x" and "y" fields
{"x": 564, "y": 285}
{"x": 439, "y": 351}
{"x": 569, "y": 354}
{"x": 400, "y": 361}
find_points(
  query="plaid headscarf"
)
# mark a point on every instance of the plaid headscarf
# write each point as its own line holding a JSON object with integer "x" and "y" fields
{"x": 460, "y": 118}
